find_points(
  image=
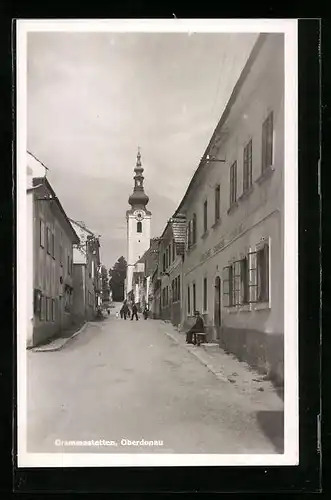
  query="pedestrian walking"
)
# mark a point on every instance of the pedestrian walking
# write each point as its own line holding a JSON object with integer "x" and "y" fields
{"x": 194, "y": 335}
{"x": 134, "y": 312}
{"x": 108, "y": 311}
{"x": 146, "y": 312}
{"x": 126, "y": 310}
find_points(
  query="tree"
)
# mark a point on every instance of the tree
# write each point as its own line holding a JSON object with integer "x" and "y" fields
{"x": 117, "y": 279}
{"x": 104, "y": 284}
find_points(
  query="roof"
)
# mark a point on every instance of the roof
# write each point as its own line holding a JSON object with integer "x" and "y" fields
{"x": 177, "y": 223}
{"x": 81, "y": 225}
{"x": 249, "y": 63}
{"x": 45, "y": 182}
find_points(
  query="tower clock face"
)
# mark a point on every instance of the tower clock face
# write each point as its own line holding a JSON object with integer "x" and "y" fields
{"x": 139, "y": 214}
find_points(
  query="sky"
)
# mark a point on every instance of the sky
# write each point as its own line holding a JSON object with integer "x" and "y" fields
{"x": 93, "y": 98}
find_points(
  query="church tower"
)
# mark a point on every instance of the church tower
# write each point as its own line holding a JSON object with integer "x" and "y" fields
{"x": 138, "y": 221}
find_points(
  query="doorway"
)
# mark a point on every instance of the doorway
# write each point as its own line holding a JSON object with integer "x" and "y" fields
{"x": 217, "y": 308}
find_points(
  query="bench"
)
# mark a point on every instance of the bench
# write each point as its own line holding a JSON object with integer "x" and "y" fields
{"x": 198, "y": 338}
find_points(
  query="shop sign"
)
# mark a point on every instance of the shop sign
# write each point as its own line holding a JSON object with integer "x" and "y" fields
{"x": 221, "y": 244}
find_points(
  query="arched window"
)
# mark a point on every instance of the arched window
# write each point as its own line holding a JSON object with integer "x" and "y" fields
{"x": 139, "y": 227}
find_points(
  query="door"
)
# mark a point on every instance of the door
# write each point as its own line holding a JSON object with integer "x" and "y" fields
{"x": 217, "y": 308}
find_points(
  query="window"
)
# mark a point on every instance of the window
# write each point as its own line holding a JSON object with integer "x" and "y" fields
{"x": 67, "y": 301}
{"x": 176, "y": 289}
{"x": 42, "y": 234}
{"x": 167, "y": 296}
{"x": 164, "y": 262}
{"x": 48, "y": 309}
{"x": 247, "y": 170}
{"x": 194, "y": 298}
{"x": 61, "y": 255}
{"x": 53, "y": 310}
{"x": 205, "y": 297}
{"x": 217, "y": 203}
{"x": 247, "y": 280}
{"x": 263, "y": 274}
{"x": 233, "y": 183}
{"x": 173, "y": 250}
{"x": 139, "y": 227}
{"x": 49, "y": 241}
{"x": 259, "y": 275}
{"x": 267, "y": 142}
{"x": 42, "y": 308}
{"x": 194, "y": 229}
{"x": 205, "y": 216}
{"x": 188, "y": 300}
{"x": 37, "y": 302}
{"x": 232, "y": 284}
{"x": 244, "y": 281}
{"x": 53, "y": 245}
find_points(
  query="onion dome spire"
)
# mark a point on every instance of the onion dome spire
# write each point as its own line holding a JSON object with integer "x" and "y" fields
{"x": 139, "y": 198}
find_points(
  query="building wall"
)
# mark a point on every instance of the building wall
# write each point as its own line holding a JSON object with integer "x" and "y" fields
{"x": 137, "y": 244}
{"x": 79, "y": 311}
{"x": 52, "y": 273}
{"x": 171, "y": 307}
{"x": 29, "y": 261}
{"x": 253, "y": 332}
{"x": 87, "y": 254}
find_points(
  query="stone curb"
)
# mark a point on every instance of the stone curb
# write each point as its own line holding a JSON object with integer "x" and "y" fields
{"x": 59, "y": 343}
{"x": 197, "y": 355}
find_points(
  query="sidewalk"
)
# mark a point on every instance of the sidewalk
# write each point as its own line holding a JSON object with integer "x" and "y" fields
{"x": 228, "y": 369}
{"x": 59, "y": 342}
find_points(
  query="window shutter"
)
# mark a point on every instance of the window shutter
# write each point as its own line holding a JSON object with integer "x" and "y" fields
{"x": 252, "y": 276}
{"x": 226, "y": 286}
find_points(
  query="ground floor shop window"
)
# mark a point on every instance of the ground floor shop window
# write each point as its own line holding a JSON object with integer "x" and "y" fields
{"x": 188, "y": 301}
{"x": 247, "y": 280}
{"x": 244, "y": 281}
{"x": 67, "y": 301}
{"x": 262, "y": 259}
{"x": 37, "y": 301}
{"x": 53, "y": 310}
{"x": 48, "y": 309}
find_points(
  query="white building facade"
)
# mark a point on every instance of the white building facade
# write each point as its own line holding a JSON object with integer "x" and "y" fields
{"x": 233, "y": 271}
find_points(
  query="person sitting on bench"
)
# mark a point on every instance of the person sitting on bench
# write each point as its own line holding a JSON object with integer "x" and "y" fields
{"x": 197, "y": 331}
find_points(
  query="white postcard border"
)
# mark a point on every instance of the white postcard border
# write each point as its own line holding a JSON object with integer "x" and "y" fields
{"x": 291, "y": 400}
